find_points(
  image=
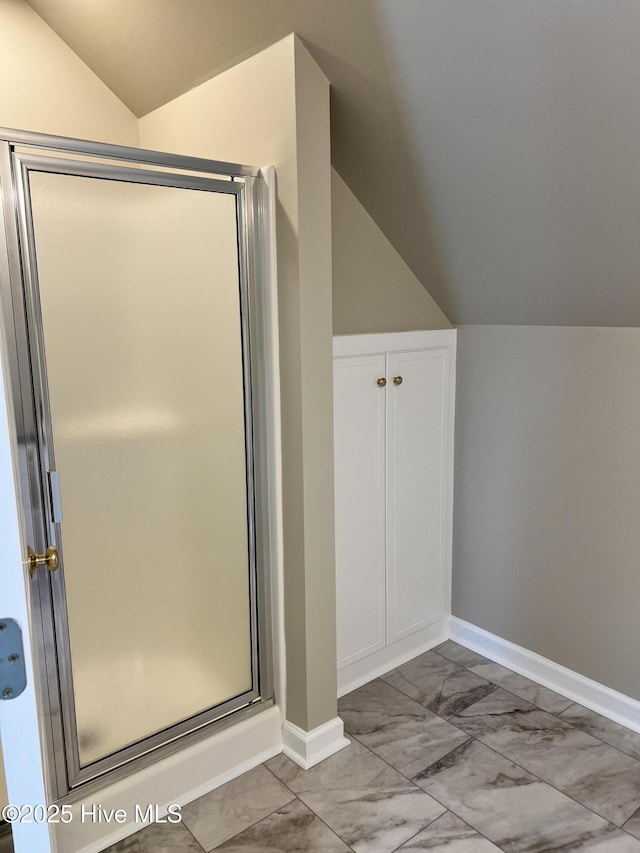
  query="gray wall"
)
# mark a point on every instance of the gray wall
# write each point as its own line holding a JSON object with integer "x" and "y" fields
{"x": 547, "y": 493}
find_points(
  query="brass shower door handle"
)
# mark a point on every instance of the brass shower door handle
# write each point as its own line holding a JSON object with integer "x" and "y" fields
{"x": 50, "y": 559}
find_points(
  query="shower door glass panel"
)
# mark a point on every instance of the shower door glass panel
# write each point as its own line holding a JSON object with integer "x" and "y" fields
{"x": 140, "y": 301}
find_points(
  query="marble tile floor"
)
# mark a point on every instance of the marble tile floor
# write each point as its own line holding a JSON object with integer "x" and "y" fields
{"x": 6, "y": 845}
{"x": 449, "y": 753}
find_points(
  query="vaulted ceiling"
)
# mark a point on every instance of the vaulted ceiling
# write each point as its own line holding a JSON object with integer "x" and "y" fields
{"x": 495, "y": 142}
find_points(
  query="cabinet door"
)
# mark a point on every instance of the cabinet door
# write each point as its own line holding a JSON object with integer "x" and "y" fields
{"x": 359, "y": 417}
{"x": 416, "y": 495}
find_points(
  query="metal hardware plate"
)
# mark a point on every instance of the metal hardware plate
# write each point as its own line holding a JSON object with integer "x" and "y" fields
{"x": 13, "y": 676}
{"x": 54, "y": 495}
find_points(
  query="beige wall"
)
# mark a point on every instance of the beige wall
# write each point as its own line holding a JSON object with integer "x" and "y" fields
{"x": 46, "y": 88}
{"x": 273, "y": 109}
{"x": 547, "y": 492}
{"x": 373, "y": 289}
{"x": 315, "y": 348}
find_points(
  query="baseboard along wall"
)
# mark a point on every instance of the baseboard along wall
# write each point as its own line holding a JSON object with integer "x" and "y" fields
{"x": 599, "y": 698}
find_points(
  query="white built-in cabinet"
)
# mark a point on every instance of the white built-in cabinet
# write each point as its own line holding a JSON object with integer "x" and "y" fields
{"x": 393, "y": 415}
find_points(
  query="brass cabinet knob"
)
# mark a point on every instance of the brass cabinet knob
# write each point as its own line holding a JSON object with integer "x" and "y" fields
{"x": 397, "y": 380}
{"x": 382, "y": 382}
{"x": 50, "y": 559}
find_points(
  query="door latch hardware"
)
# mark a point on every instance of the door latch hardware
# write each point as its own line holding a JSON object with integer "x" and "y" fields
{"x": 50, "y": 559}
{"x": 13, "y": 675}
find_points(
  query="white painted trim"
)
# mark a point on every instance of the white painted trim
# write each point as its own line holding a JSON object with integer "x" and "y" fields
{"x": 599, "y": 698}
{"x": 180, "y": 778}
{"x": 345, "y": 345}
{"x": 362, "y": 671}
{"x": 127, "y": 830}
{"x": 449, "y": 463}
{"x": 308, "y": 748}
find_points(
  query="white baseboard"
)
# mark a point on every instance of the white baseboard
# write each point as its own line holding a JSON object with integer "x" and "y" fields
{"x": 599, "y": 698}
{"x": 309, "y": 748}
{"x": 179, "y": 778}
{"x": 366, "y": 669}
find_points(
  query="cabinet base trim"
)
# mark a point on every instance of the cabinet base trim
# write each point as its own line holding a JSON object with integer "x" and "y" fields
{"x": 599, "y": 698}
{"x": 362, "y": 671}
{"x": 309, "y": 748}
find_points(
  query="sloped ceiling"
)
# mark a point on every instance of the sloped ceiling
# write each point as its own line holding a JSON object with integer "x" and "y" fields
{"x": 495, "y": 142}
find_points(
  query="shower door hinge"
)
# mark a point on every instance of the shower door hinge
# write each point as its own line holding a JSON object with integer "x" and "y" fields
{"x": 13, "y": 675}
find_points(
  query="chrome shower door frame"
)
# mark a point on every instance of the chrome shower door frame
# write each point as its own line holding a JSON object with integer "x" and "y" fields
{"x": 20, "y": 154}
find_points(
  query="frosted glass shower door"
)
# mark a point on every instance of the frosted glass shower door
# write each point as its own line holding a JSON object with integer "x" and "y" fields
{"x": 142, "y": 326}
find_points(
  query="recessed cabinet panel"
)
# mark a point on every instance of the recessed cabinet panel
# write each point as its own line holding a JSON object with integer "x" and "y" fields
{"x": 360, "y": 505}
{"x": 415, "y": 490}
{"x": 394, "y": 408}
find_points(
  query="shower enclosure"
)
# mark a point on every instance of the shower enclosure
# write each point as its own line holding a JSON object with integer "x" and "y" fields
{"x": 134, "y": 329}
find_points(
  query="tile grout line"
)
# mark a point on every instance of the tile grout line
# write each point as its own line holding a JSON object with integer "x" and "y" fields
{"x": 435, "y": 713}
{"x": 255, "y": 822}
{"x": 470, "y": 738}
{"x": 445, "y": 807}
{"x": 426, "y": 826}
{"x": 596, "y": 737}
{"x": 333, "y": 831}
{"x": 404, "y": 776}
{"x": 422, "y": 790}
{"x": 435, "y": 799}
{"x": 550, "y": 785}
{"x": 522, "y": 767}
{"x": 502, "y": 666}
{"x": 192, "y": 835}
{"x": 462, "y": 820}
{"x": 506, "y": 758}
{"x": 557, "y": 716}
{"x": 495, "y": 663}
{"x": 636, "y": 812}
{"x": 453, "y": 749}
{"x": 537, "y": 778}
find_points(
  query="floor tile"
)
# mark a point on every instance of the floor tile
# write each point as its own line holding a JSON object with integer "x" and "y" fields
{"x": 367, "y": 803}
{"x": 440, "y": 685}
{"x": 233, "y": 807}
{"x": 158, "y": 838}
{"x": 399, "y": 730}
{"x": 538, "y": 695}
{"x": 586, "y": 769}
{"x": 516, "y": 811}
{"x": 459, "y": 654}
{"x": 612, "y": 733}
{"x": 633, "y": 824}
{"x": 293, "y": 828}
{"x": 449, "y": 834}
{"x": 6, "y": 840}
